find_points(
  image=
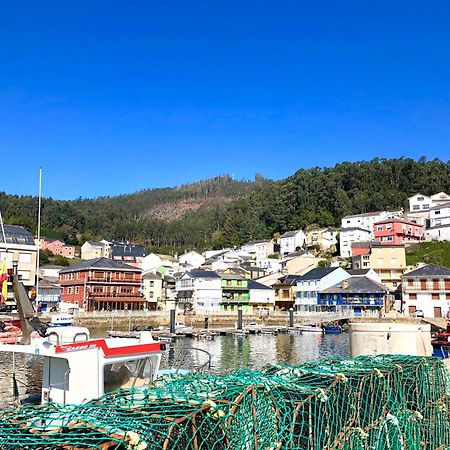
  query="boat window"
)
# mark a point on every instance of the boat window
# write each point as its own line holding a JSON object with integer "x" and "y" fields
{"x": 128, "y": 374}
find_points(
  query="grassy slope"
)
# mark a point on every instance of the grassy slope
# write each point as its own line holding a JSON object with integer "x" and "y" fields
{"x": 430, "y": 253}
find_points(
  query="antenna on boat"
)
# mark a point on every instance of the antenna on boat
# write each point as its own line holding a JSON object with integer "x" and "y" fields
{"x": 38, "y": 237}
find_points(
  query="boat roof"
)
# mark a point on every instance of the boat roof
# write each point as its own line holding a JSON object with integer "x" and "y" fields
{"x": 110, "y": 347}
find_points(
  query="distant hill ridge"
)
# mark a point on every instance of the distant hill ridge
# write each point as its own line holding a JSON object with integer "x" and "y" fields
{"x": 222, "y": 211}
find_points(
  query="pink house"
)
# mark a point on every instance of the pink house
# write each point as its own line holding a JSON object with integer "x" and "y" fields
{"x": 397, "y": 232}
{"x": 58, "y": 247}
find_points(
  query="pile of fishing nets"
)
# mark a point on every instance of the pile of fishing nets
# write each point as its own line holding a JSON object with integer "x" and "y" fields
{"x": 371, "y": 402}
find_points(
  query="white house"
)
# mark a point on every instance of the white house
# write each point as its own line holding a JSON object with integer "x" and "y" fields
{"x": 270, "y": 265}
{"x": 50, "y": 272}
{"x": 192, "y": 260}
{"x": 163, "y": 264}
{"x": 199, "y": 290}
{"x": 259, "y": 249}
{"x": 365, "y": 221}
{"x": 152, "y": 289}
{"x": 292, "y": 241}
{"x": 419, "y": 202}
{"x": 427, "y": 289}
{"x": 314, "y": 281}
{"x": 439, "y": 199}
{"x": 261, "y": 296}
{"x": 439, "y": 229}
{"x": 350, "y": 235}
{"x": 92, "y": 250}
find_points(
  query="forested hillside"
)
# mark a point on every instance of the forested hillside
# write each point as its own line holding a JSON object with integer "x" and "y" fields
{"x": 222, "y": 211}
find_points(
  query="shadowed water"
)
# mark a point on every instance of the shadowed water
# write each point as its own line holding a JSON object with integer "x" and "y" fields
{"x": 228, "y": 353}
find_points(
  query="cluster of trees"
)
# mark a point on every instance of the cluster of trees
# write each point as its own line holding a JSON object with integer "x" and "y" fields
{"x": 253, "y": 210}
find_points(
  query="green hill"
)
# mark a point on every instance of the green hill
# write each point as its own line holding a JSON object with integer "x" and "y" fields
{"x": 430, "y": 253}
{"x": 224, "y": 212}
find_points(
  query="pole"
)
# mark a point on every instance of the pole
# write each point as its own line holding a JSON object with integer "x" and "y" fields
{"x": 38, "y": 235}
{"x": 172, "y": 321}
{"x": 239, "y": 321}
{"x": 291, "y": 317}
{"x": 3, "y": 230}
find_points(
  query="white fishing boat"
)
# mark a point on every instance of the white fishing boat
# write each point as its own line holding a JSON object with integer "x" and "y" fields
{"x": 310, "y": 328}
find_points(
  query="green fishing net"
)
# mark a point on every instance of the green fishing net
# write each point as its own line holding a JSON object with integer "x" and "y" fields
{"x": 368, "y": 403}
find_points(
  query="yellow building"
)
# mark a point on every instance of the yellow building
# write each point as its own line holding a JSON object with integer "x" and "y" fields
{"x": 19, "y": 249}
{"x": 388, "y": 261}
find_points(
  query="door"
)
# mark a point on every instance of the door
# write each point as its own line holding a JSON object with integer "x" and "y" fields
{"x": 411, "y": 310}
{"x": 437, "y": 311}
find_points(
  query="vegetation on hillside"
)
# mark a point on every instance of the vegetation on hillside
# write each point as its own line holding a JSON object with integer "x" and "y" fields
{"x": 225, "y": 212}
{"x": 430, "y": 253}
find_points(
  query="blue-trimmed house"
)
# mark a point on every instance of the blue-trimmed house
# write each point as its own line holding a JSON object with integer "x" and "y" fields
{"x": 360, "y": 293}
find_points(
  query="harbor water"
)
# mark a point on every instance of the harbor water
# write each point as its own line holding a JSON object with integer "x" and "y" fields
{"x": 228, "y": 354}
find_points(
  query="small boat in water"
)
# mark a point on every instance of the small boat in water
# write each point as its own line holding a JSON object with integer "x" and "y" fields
{"x": 311, "y": 328}
{"x": 332, "y": 329}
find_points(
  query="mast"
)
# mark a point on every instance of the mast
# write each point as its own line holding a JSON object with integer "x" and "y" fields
{"x": 38, "y": 235}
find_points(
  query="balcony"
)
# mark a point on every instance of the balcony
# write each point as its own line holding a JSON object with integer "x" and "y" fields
{"x": 116, "y": 296}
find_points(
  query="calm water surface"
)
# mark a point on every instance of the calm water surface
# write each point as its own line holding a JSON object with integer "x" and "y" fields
{"x": 228, "y": 353}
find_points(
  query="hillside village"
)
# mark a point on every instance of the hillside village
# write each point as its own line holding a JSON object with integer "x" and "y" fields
{"x": 361, "y": 266}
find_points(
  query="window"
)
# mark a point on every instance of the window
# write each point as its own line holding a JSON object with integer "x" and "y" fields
{"x": 379, "y": 227}
{"x": 416, "y": 207}
{"x": 69, "y": 290}
{"x": 436, "y": 283}
{"x": 24, "y": 274}
{"x": 228, "y": 282}
{"x": 97, "y": 289}
{"x": 413, "y": 296}
{"x": 434, "y": 296}
{"x": 152, "y": 283}
{"x": 389, "y": 226}
{"x": 438, "y": 211}
{"x": 420, "y": 199}
{"x": 425, "y": 206}
{"x": 239, "y": 282}
{"x": 77, "y": 290}
{"x": 25, "y": 258}
{"x": 128, "y": 276}
{"x": 151, "y": 294}
{"x": 99, "y": 274}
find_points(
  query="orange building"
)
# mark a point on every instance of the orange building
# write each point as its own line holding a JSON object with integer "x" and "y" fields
{"x": 58, "y": 247}
{"x": 397, "y": 232}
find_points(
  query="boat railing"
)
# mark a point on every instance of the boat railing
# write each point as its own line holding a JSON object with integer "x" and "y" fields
{"x": 445, "y": 351}
{"x": 188, "y": 358}
{"x": 77, "y": 337}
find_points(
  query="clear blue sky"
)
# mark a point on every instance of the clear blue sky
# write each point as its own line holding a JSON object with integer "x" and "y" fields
{"x": 111, "y": 97}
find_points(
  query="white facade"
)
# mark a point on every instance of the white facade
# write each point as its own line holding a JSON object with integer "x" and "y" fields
{"x": 204, "y": 293}
{"x": 439, "y": 199}
{"x": 191, "y": 259}
{"x": 262, "y": 297}
{"x": 350, "y": 235}
{"x": 269, "y": 264}
{"x": 419, "y": 202}
{"x": 166, "y": 264}
{"x": 92, "y": 250}
{"x": 440, "y": 215}
{"x": 314, "y": 281}
{"x": 152, "y": 288}
{"x": 365, "y": 221}
{"x": 438, "y": 233}
{"x": 427, "y": 292}
{"x": 292, "y": 241}
{"x": 50, "y": 272}
{"x": 259, "y": 249}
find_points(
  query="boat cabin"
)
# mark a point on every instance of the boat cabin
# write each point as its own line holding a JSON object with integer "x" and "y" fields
{"x": 76, "y": 369}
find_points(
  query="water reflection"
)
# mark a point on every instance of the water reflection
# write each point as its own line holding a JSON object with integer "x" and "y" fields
{"x": 228, "y": 353}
